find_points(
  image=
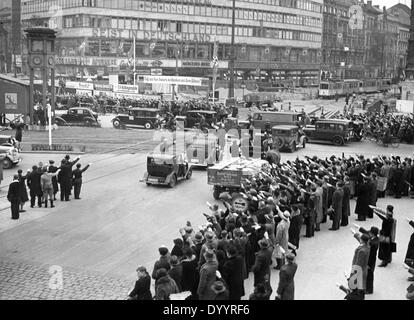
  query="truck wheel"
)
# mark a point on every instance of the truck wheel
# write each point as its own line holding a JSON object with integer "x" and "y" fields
{"x": 148, "y": 126}
{"x": 338, "y": 141}
{"x": 117, "y": 124}
{"x": 7, "y": 164}
{"x": 173, "y": 181}
{"x": 216, "y": 193}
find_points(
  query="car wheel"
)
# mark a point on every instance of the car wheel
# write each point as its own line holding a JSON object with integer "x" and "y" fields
{"x": 189, "y": 174}
{"x": 148, "y": 126}
{"x": 279, "y": 143}
{"x": 338, "y": 141}
{"x": 117, "y": 124}
{"x": 173, "y": 181}
{"x": 7, "y": 164}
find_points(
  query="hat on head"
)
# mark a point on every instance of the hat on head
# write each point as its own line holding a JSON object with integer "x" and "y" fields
{"x": 209, "y": 255}
{"x": 19, "y": 171}
{"x": 218, "y": 287}
{"x": 209, "y": 236}
{"x": 178, "y": 241}
{"x": 365, "y": 237}
{"x": 174, "y": 261}
{"x": 286, "y": 214}
{"x": 162, "y": 272}
{"x": 188, "y": 229}
{"x": 198, "y": 238}
{"x": 67, "y": 157}
{"x": 374, "y": 231}
{"x": 390, "y": 208}
{"x": 264, "y": 244}
{"x": 51, "y": 161}
{"x": 78, "y": 165}
{"x": 142, "y": 269}
{"x": 163, "y": 250}
{"x": 290, "y": 257}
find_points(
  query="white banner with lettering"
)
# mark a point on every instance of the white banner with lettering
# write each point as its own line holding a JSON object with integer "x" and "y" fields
{"x": 187, "y": 81}
{"x": 126, "y": 88}
{"x": 79, "y": 85}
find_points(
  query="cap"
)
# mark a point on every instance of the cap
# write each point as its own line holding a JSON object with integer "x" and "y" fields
{"x": 209, "y": 255}
{"x": 198, "y": 238}
{"x": 290, "y": 257}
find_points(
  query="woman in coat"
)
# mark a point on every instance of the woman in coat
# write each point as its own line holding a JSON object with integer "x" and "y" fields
{"x": 22, "y": 189}
{"x": 164, "y": 285}
{"x": 142, "y": 286}
{"x": 282, "y": 237}
{"x": 189, "y": 278}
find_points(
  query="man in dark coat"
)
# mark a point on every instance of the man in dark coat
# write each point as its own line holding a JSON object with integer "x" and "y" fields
{"x": 372, "y": 260}
{"x": 387, "y": 234}
{"x": 65, "y": 178}
{"x": 207, "y": 276}
{"x": 362, "y": 203}
{"x": 337, "y": 205}
{"x": 189, "y": 279}
{"x": 233, "y": 273}
{"x": 398, "y": 181}
{"x": 141, "y": 290}
{"x": 34, "y": 184}
{"x": 409, "y": 257}
{"x": 286, "y": 288}
{"x": 296, "y": 221}
{"x": 23, "y": 190}
{"x": 13, "y": 196}
{"x": 77, "y": 179}
{"x": 263, "y": 261}
{"x": 346, "y": 207}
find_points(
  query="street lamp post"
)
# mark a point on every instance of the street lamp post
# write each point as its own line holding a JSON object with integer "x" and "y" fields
{"x": 232, "y": 53}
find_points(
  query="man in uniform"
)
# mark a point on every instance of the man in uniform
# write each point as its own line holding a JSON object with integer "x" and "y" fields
{"x": 77, "y": 179}
{"x": 65, "y": 177}
{"x": 14, "y": 197}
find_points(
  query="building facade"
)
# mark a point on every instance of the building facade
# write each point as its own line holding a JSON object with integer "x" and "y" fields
{"x": 360, "y": 40}
{"x": 278, "y": 42}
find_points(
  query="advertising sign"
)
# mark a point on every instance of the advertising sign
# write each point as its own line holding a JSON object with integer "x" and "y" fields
{"x": 10, "y": 101}
{"x": 79, "y": 85}
{"x": 189, "y": 81}
{"x": 126, "y": 88}
{"x": 405, "y": 106}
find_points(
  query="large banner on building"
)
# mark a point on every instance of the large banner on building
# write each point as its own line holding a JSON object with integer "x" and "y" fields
{"x": 186, "y": 81}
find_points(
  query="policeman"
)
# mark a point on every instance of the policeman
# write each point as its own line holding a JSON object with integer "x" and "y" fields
{"x": 77, "y": 178}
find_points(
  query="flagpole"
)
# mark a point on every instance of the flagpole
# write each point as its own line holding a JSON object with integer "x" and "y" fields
{"x": 135, "y": 57}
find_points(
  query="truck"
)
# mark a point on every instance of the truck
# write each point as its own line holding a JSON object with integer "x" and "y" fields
{"x": 229, "y": 175}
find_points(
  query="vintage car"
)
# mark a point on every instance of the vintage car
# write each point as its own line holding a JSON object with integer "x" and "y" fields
{"x": 194, "y": 117}
{"x": 78, "y": 117}
{"x": 203, "y": 151}
{"x": 285, "y": 137}
{"x": 267, "y": 119}
{"x": 137, "y": 118}
{"x": 336, "y": 131}
{"x": 9, "y": 154}
{"x": 229, "y": 175}
{"x": 165, "y": 169}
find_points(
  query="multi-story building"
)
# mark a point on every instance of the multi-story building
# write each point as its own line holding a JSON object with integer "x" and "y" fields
{"x": 10, "y": 36}
{"x": 343, "y": 45}
{"x": 277, "y": 41}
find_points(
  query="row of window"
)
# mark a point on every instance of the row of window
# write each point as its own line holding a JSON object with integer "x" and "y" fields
{"x": 180, "y": 6}
{"x": 184, "y": 27}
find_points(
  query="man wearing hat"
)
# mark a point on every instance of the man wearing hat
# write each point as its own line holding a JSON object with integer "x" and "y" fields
{"x": 359, "y": 270}
{"x": 262, "y": 263}
{"x": 53, "y": 169}
{"x": 207, "y": 276}
{"x": 77, "y": 179}
{"x": 197, "y": 244}
{"x": 142, "y": 287}
{"x": 387, "y": 243}
{"x": 65, "y": 178}
{"x": 362, "y": 203}
{"x": 210, "y": 244}
{"x": 13, "y": 196}
{"x": 220, "y": 291}
{"x": 233, "y": 273}
{"x": 337, "y": 205}
{"x": 286, "y": 287}
{"x": 282, "y": 238}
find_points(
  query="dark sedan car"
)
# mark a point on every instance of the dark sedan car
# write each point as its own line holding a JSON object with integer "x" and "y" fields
{"x": 78, "y": 117}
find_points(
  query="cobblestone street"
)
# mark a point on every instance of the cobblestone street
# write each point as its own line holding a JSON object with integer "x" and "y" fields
{"x": 23, "y": 281}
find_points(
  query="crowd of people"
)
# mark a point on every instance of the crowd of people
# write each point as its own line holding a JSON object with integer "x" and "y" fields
{"x": 213, "y": 262}
{"x": 44, "y": 181}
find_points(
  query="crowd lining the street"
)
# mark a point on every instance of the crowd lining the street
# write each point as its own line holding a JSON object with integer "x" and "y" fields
{"x": 212, "y": 263}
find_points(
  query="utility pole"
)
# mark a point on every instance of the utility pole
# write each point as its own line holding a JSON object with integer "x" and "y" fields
{"x": 232, "y": 53}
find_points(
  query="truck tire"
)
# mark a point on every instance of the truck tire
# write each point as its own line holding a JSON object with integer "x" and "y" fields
{"x": 117, "y": 124}
{"x": 216, "y": 193}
